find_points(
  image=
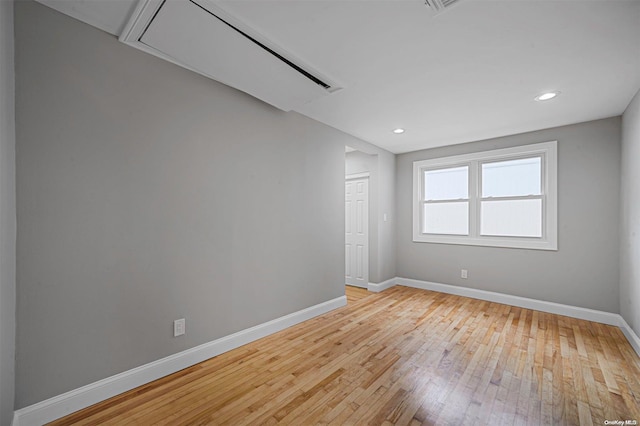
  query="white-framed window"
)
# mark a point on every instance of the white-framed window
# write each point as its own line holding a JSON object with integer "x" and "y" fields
{"x": 499, "y": 198}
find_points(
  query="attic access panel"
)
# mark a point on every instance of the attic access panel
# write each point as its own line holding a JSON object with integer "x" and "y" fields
{"x": 198, "y": 35}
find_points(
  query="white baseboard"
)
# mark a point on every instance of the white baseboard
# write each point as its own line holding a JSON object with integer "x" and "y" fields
{"x": 77, "y": 399}
{"x": 522, "y": 302}
{"x": 632, "y": 337}
{"x": 377, "y": 287}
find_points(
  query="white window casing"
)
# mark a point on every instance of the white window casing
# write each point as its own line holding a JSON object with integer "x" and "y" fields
{"x": 533, "y": 212}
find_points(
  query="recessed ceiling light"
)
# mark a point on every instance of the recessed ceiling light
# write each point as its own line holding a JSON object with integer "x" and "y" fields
{"x": 398, "y": 131}
{"x": 547, "y": 96}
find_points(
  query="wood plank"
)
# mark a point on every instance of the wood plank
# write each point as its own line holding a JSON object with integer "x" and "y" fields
{"x": 355, "y": 294}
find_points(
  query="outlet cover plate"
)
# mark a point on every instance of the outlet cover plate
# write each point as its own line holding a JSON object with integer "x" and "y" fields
{"x": 179, "y": 327}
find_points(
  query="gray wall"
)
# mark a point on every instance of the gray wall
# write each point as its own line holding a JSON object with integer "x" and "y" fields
{"x": 7, "y": 215}
{"x": 387, "y": 204}
{"x": 630, "y": 216}
{"x": 147, "y": 193}
{"x": 381, "y": 167}
{"x": 583, "y": 272}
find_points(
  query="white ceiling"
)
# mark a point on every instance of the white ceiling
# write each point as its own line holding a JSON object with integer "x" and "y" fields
{"x": 467, "y": 74}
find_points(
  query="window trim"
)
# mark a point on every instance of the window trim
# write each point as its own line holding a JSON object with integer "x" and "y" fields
{"x": 549, "y": 186}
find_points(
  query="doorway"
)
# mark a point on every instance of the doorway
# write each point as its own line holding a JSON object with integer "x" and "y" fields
{"x": 357, "y": 230}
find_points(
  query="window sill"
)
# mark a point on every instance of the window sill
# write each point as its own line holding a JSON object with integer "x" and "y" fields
{"x": 518, "y": 243}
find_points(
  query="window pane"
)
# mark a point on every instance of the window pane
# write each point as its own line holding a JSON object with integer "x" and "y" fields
{"x": 512, "y": 178}
{"x": 512, "y": 218}
{"x": 446, "y": 218}
{"x": 446, "y": 184}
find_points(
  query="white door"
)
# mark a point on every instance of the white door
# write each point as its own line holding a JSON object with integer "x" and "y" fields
{"x": 357, "y": 232}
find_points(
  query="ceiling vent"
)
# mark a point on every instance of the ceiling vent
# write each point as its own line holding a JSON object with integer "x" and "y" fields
{"x": 439, "y": 6}
{"x": 201, "y": 36}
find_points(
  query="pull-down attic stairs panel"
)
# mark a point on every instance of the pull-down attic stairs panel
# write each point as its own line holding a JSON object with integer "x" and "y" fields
{"x": 199, "y": 35}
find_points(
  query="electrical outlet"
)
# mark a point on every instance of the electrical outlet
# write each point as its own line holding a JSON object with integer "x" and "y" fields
{"x": 179, "y": 327}
{"x": 463, "y": 274}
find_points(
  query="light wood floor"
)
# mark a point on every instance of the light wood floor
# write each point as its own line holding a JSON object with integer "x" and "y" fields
{"x": 405, "y": 357}
{"x": 355, "y": 294}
